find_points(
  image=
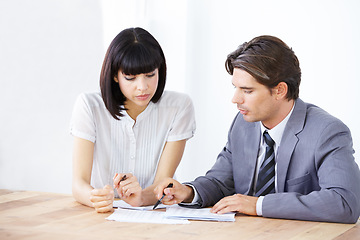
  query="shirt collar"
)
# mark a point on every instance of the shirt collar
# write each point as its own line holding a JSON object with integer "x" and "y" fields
{"x": 277, "y": 131}
{"x": 142, "y": 115}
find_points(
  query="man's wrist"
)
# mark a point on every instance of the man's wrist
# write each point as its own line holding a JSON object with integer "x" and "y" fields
{"x": 189, "y": 193}
{"x": 259, "y": 205}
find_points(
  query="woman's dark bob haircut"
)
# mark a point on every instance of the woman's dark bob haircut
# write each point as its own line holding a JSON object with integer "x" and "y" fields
{"x": 133, "y": 51}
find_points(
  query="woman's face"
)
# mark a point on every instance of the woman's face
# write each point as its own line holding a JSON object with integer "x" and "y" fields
{"x": 138, "y": 89}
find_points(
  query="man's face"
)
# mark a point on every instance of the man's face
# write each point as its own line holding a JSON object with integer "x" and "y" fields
{"x": 254, "y": 100}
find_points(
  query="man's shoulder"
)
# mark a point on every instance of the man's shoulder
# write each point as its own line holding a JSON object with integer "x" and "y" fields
{"x": 318, "y": 118}
{"x": 319, "y": 115}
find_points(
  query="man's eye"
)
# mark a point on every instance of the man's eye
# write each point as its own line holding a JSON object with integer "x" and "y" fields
{"x": 247, "y": 91}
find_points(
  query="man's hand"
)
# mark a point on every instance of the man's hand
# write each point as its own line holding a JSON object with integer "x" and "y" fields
{"x": 177, "y": 194}
{"x": 236, "y": 203}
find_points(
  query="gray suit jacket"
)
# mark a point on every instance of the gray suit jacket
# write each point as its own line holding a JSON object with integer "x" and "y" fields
{"x": 317, "y": 176}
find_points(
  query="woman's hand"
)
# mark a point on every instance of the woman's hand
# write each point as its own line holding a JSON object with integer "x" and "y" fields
{"x": 128, "y": 188}
{"x": 102, "y": 199}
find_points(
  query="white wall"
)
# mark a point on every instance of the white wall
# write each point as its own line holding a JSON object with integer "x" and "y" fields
{"x": 50, "y": 51}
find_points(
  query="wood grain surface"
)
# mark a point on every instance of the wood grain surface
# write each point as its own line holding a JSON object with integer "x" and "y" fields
{"x": 40, "y": 215}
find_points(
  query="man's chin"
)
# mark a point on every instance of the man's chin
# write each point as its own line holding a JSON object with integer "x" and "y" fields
{"x": 249, "y": 119}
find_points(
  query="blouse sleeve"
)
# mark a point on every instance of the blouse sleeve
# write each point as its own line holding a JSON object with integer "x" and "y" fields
{"x": 184, "y": 123}
{"x": 82, "y": 123}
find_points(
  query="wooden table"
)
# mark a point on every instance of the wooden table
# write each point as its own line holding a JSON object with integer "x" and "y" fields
{"x": 38, "y": 215}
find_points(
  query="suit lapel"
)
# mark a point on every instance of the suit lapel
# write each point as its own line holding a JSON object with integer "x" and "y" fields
{"x": 289, "y": 141}
{"x": 252, "y": 142}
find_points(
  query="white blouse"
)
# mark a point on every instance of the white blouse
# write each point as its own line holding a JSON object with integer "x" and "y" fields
{"x": 128, "y": 146}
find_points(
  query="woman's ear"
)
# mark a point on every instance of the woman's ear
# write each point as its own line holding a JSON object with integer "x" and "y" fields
{"x": 116, "y": 79}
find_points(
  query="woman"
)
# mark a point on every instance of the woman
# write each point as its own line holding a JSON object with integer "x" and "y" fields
{"x": 133, "y": 134}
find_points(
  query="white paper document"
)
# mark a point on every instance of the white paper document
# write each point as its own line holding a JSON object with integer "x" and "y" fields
{"x": 125, "y": 205}
{"x": 176, "y": 212}
{"x": 125, "y": 215}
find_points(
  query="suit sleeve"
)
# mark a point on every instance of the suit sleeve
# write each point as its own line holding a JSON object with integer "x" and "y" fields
{"x": 338, "y": 199}
{"x": 218, "y": 181}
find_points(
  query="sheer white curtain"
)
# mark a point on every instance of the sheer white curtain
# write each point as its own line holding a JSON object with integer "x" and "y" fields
{"x": 195, "y": 66}
{"x": 197, "y": 35}
{"x": 50, "y": 51}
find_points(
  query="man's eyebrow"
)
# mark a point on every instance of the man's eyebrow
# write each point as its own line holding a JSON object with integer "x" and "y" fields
{"x": 246, "y": 88}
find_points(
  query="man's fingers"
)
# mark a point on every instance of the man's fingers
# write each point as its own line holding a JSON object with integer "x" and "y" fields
{"x": 223, "y": 204}
{"x": 169, "y": 200}
{"x": 159, "y": 189}
{"x": 236, "y": 203}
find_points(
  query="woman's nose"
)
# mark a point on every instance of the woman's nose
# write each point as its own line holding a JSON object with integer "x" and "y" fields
{"x": 142, "y": 84}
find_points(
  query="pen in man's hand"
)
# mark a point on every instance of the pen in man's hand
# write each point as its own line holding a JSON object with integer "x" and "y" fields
{"x": 159, "y": 201}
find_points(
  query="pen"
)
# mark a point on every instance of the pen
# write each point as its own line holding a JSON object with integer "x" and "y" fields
{"x": 159, "y": 201}
{"x": 122, "y": 179}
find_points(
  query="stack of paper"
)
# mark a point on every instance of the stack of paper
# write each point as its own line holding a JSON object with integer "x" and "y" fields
{"x": 176, "y": 212}
{"x": 173, "y": 214}
{"x": 125, "y": 215}
{"x": 125, "y": 205}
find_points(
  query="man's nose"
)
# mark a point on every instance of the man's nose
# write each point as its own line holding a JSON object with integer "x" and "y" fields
{"x": 238, "y": 97}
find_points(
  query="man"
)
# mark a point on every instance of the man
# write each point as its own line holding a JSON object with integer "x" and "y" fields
{"x": 284, "y": 158}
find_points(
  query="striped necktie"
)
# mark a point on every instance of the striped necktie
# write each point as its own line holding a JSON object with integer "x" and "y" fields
{"x": 266, "y": 178}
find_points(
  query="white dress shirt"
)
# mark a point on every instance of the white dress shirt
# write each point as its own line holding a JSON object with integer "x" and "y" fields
{"x": 276, "y": 134}
{"x": 124, "y": 145}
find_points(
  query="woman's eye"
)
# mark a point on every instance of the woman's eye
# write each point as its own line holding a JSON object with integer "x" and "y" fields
{"x": 129, "y": 78}
{"x": 150, "y": 75}
{"x": 247, "y": 91}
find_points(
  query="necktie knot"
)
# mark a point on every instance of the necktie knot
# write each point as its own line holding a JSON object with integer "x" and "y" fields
{"x": 268, "y": 140}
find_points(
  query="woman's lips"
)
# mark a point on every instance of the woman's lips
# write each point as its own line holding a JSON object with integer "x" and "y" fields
{"x": 143, "y": 97}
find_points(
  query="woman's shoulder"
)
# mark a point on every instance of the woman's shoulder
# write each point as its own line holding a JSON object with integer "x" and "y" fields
{"x": 172, "y": 98}
{"x": 92, "y": 99}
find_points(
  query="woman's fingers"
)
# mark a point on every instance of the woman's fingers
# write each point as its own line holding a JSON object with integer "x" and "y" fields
{"x": 102, "y": 199}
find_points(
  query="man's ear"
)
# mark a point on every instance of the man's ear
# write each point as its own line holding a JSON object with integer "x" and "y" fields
{"x": 281, "y": 90}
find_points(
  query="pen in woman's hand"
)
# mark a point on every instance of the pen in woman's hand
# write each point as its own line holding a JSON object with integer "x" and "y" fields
{"x": 122, "y": 179}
